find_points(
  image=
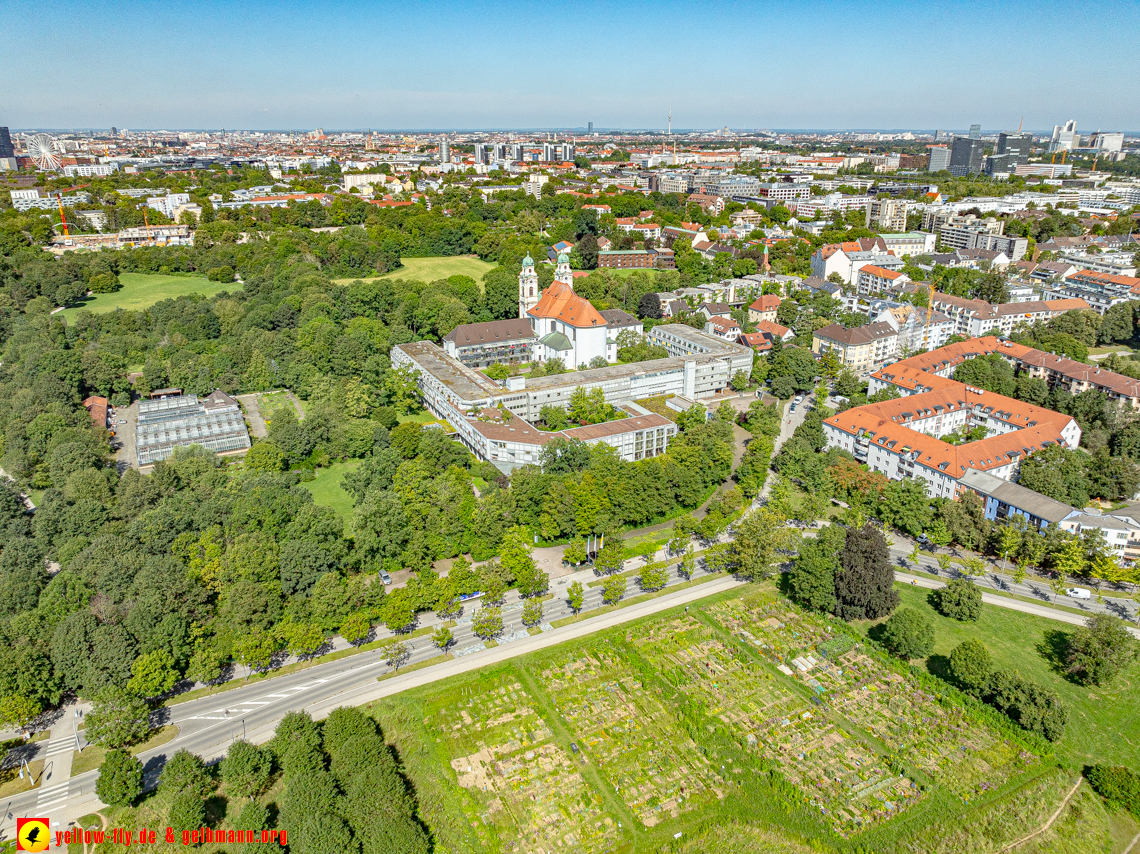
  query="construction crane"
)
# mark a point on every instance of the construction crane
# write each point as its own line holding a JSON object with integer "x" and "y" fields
{"x": 62, "y": 217}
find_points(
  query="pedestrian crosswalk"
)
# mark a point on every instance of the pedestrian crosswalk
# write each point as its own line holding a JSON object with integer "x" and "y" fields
{"x": 65, "y": 744}
{"x": 52, "y": 797}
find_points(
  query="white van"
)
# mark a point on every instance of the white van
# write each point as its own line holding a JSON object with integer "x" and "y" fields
{"x": 1078, "y": 593}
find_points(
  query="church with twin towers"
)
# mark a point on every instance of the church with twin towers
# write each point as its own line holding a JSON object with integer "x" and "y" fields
{"x": 552, "y": 323}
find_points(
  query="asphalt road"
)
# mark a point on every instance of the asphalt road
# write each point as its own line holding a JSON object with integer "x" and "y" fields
{"x": 207, "y": 726}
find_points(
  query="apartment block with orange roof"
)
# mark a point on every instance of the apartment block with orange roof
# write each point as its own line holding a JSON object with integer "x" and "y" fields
{"x": 900, "y": 437}
{"x": 928, "y": 370}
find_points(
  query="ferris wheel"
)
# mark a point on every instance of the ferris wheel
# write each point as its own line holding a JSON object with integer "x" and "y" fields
{"x": 43, "y": 149}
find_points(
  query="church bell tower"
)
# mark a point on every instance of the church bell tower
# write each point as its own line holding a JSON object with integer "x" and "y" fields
{"x": 528, "y": 286}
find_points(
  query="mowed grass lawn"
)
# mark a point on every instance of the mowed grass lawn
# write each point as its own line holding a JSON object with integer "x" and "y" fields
{"x": 1104, "y": 723}
{"x": 142, "y": 290}
{"x": 327, "y": 490}
{"x": 432, "y": 269}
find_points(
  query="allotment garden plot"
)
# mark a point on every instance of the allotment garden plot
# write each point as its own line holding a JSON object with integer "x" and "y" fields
{"x": 629, "y": 731}
{"x": 871, "y": 740}
{"x": 520, "y": 785}
{"x": 743, "y": 706}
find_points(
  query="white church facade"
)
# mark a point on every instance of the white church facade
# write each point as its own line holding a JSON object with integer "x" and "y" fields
{"x": 553, "y": 323}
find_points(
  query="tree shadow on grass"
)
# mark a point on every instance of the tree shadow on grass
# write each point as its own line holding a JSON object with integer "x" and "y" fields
{"x": 939, "y": 665}
{"x": 876, "y": 632}
{"x": 1054, "y": 648}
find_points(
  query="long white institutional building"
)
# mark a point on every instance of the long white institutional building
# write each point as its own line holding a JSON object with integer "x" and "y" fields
{"x": 495, "y": 420}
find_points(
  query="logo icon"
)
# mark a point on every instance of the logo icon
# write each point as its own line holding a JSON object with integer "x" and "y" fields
{"x": 32, "y": 834}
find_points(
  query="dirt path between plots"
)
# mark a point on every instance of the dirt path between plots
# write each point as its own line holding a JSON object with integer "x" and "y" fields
{"x": 1047, "y": 824}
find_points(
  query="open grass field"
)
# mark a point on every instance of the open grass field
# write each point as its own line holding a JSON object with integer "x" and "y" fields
{"x": 327, "y": 490}
{"x": 142, "y": 290}
{"x": 431, "y": 269}
{"x": 1104, "y": 723}
{"x": 741, "y": 724}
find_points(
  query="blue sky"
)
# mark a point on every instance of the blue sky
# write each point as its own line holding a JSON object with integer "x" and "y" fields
{"x": 476, "y": 64}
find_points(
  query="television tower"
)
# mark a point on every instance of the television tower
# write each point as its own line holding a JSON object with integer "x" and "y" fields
{"x": 670, "y": 131}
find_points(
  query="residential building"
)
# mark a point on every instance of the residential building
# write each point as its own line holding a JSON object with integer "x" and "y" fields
{"x": 899, "y": 437}
{"x": 764, "y": 309}
{"x": 1003, "y": 500}
{"x": 927, "y": 371}
{"x": 711, "y": 204}
{"x": 709, "y": 310}
{"x": 862, "y": 349}
{"x": 909, "y": 243}
{"x": 723, "y": 327}
{"x": 887, "y": 214}
{"x": 623, "y": 259}
{"x": 966, "y": 156}
{"x": 973, "y": 232}
{"x": 178, "y": 421}
{"x": 844, "y": 259}
{"x": 617, "y": 322}
{"x": 1117, "y": 531}
{"x": 872, "y": 279}
{"x": 916, "y": 333}
{"x": 974, "y": 317}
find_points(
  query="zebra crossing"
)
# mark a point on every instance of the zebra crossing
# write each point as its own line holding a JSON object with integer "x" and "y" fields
{"x": 52, "y": 796}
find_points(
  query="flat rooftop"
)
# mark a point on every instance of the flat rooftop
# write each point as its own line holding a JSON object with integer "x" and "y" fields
{"x": 467, "y": 383}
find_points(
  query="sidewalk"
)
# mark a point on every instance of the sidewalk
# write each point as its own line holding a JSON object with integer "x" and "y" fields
{"x": 55, "y": 783}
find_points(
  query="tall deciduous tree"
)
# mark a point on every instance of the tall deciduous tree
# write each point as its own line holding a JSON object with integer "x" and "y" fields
{"x": 864, "y": 585}
{"x": 120, "y": 779}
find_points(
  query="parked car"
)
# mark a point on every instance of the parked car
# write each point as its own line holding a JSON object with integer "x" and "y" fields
{"x": 385, "y": 577}
{"x": 1078, "y": 593}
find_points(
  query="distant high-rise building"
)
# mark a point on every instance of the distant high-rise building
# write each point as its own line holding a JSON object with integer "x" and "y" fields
{"x": 940, "y": 135}
{"x": 966, "y": 156}
{"x": 6, "y": 149}
{"x": 975, "y": 131}
{"x": 590, "y": 127}
{"x": 444, "y": 150}
{"x": 1107, "y": 141}
{"x": 1065, "y": 137}
{"x": 939, "y": 159}
{"x": 500, "y": 151}
{"x": 114, "y": 131}
{"x": 515, "y": 151}
{"x": 482, "y": 152}
{"x": 1016, "y": 144}
{"x": 567, "y": 151}
{"x": 549, "y": 152}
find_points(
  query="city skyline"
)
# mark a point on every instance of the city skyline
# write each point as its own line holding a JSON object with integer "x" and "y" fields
{"x": 481, "y": 66}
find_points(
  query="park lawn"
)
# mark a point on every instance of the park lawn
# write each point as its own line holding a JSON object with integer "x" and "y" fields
{"x": 327, "y": 490}
{"x": 142, "y": 290}
{"x": 1104, "y": 723}
{"x": 431, "y": 269}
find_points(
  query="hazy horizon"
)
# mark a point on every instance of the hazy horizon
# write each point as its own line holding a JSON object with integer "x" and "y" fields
{"x": 482, "y": 65}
